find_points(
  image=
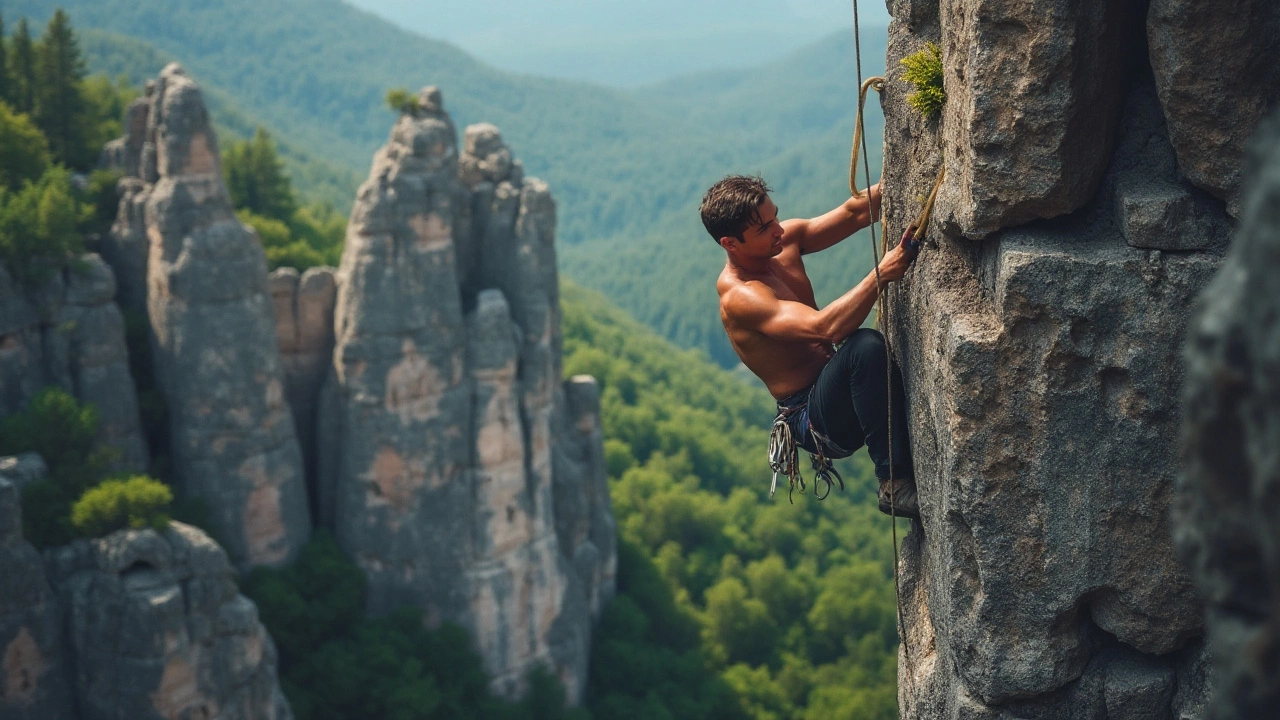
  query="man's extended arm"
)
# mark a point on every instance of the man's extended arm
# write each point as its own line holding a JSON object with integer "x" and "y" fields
{"x": 754, "y": 306}
{"x": 830, "y": 228}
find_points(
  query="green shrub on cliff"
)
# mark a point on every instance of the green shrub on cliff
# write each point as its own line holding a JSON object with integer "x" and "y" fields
{"x": 39, "y": 226}
{"x": 62, "y": 431}
{"x": 24, "y": 153}
{"x": 136, "y": 503}
{"x": 401, "y": 100}
{"x": 924, "y": 70}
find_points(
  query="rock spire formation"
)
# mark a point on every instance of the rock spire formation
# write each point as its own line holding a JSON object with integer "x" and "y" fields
{"x": 181, "y": 253}
{"x": 1040, "y": 336}
{"x": 1227, "y": 509}
{"x": 457, "y": 469}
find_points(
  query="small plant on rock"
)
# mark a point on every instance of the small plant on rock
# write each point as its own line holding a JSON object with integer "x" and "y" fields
{"x": 924, "y": 71}
{"x": 402, "y": 101}
{"x": 138, "y": 502}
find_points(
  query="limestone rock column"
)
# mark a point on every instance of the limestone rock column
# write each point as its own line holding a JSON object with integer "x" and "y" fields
{"x": 90, "y": 360}
{"x": 398, "y": 477}
{"x": 68, "y": 332}
{"x": 214, "y": 339}
{"x": 519, "y": 580}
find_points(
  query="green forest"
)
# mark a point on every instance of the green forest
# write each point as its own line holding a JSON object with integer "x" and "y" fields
{"x": 730, "y": 604}
{"x": 628, "y": 167}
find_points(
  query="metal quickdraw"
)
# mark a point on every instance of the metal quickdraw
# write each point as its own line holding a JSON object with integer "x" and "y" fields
{"x": 783, "y": 456}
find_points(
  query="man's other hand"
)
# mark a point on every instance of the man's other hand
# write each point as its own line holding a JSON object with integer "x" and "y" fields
{"x": 894, "y": 264}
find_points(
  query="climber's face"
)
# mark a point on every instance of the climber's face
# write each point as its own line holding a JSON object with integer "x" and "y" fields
{"x": 761, "y": 238}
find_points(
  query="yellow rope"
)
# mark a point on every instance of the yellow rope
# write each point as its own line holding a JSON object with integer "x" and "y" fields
{"x": 878, "y": 84}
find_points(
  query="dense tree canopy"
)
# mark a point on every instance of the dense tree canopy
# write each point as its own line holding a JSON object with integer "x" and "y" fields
{"x": 730, "y": 604}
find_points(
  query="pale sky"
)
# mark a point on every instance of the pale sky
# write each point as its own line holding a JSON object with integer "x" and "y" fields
{"x": 625, "y": 42}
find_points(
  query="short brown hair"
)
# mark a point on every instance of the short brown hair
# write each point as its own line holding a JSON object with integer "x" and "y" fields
{"x": 732, "y": 204}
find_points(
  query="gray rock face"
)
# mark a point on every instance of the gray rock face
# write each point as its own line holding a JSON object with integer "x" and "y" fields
{"x": 1217, "y": 72}
{"x": 126, "y": 247}
{"x": 34, "y": 673}
{"x": 213, "y": 333}
{"x": 304, "y": 333}
{"x": 159, "y": 630}
{"x": 1226, "y": 509}
{"x": 21, "y": 346}
{"x": 123, "y": 154}
{"x": 1043, "y": 373}
{"x": 1034, "y": 88}
{"x": 88, "y": 358}
{"x": 584, "y": 513}
{"x": 70, "y": 333}
{"x": 447, "y": 448}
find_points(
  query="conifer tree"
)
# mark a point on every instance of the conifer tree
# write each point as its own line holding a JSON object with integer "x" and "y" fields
{"x": 59, "y": 93}
{"x": 256, "y": 179}
{"x": 22, "y": 75}
{"x": 5, "y": 86}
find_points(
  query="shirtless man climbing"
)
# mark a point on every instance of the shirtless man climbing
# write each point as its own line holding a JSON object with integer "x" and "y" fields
{"x": 833, "y": 398}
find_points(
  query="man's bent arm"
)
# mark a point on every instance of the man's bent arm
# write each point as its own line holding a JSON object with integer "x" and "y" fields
{"x": 830, "y": 228}
{"x": 754, "y": 306}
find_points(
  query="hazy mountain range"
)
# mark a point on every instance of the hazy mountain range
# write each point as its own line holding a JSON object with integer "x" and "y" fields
{"x": 617, "y": 42}
{"x": 627, "y": 167}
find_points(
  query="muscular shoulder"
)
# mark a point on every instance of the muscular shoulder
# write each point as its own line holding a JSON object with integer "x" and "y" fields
{"x": 745, "y": 301}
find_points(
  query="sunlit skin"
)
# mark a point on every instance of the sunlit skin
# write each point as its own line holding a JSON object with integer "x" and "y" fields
{"x": 766, "y": 299}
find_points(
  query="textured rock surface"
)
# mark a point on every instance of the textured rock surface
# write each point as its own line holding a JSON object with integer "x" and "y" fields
{"x": 1034, "y": 89}
{"x": 1043, "y": 369}
{"x": 584, "y": 513}
{"x": 1227, "y": 504}
{"x": 1217, "y": 70}
{"x": 304, "y": 333}
{"x": 213, "y": 334}
{"x": 123, "y": 154}
{"x": 159, "y": 630}
{"x": 70, "y": 333}
{"x": 447, "y": 448}
{"x": 87, "y": 357}
{"x": 34, "y": 673}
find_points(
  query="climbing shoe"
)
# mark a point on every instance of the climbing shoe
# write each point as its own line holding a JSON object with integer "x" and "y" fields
{"x": 905, "y": 503}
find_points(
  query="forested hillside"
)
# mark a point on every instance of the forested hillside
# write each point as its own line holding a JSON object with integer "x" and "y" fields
{"x": 627, "y": 167}
{"x": 730, "y": 604}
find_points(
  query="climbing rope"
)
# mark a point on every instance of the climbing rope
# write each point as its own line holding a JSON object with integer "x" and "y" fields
{"x": 882, "y": 314}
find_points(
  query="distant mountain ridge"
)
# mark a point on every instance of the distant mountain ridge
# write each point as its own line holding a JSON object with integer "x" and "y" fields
{"x": 627, "y": 167}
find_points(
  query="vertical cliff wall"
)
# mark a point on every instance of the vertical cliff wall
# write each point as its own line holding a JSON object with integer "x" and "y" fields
{"x": 451, "y": 465}
{"x": 1040, "y": 333}
{"x": 1227, "y": 504}
{"x": 181, "y": 253}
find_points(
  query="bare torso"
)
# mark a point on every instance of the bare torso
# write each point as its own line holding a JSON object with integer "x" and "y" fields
{"x": 786, "y": 367}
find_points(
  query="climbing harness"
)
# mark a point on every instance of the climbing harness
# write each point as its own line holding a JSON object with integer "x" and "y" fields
{"x": 784, "y": 457}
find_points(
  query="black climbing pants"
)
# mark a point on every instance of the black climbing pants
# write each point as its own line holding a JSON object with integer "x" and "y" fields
{"x": 849, "y": 405}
